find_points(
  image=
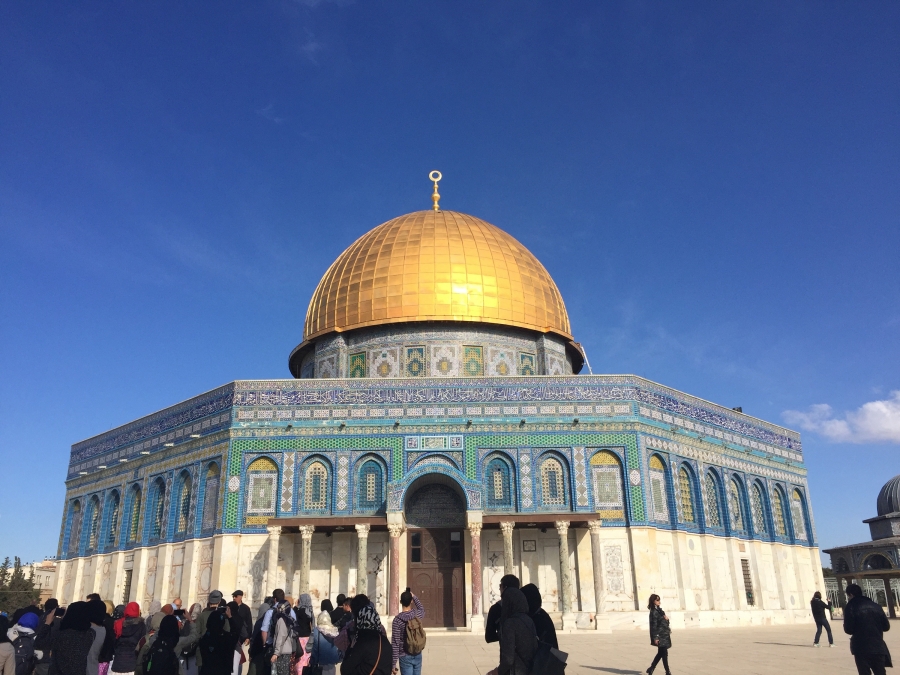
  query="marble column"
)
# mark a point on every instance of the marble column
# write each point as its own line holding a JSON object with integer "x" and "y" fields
{"x": 362, "y": 559}
{"x": 601, "y": 620}
{"x": 565, "y": 586}
{"x": 306, "y": 533}
{"x": 477, "y": 609}
{"x": 272, "y": 567}
{"x": 509, "y": 566}
{"x": 889, "y": 597}
{"x": 395, "y": 530}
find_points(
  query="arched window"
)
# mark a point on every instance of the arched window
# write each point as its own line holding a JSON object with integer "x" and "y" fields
{"x": 93, "y": 523}
{"x": 553, "y": 483}
{"x": 876, "y": 561}
{"x": 778, "y": 515}
{"x": 134, "y": 516}
{"x": 758, "y": 510}
{"x": 841, "y": 565}
{"x": 711, "y": 501}
{"x": 263, "y": 486}
{"x": 370, "y": 488}
{"x": 158, "y": 510}
{"x": 686, "y": 496}
{"x": 736, "y": 506}
{"x": 75, "y": 528}
{"x": 606, "y": 472}
{"x": 798, "y": 514}
{"x": 659, "y": 503}
{"x": 210, "y": 498}
{"x": 498, "y": 485}
{"x": 315, "y": 497}
{"x": 182, "y": 523}
{"x": 112, "y": 528}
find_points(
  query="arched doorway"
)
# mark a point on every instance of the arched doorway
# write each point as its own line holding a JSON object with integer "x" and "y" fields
{"x": 436, "y": 520}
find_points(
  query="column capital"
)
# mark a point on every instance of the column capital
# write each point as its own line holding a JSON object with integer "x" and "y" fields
{"x": 306, "y": 531}
{"x": 274, "y": 530}
{"x": 475, "y": 529}
{"x": 507, "y": 527}
{"x": 396, "y": 529}
{"x": 595, "y": 526}
{"x": 362, "y": 531}
{"x": 562, "y": 526}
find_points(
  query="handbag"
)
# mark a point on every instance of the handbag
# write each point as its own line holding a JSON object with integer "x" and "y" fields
{"x": 378, "y": 660}
{"x": 316, "y": 669}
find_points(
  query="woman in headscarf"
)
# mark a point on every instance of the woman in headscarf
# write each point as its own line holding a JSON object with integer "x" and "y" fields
{"x": 128, "y": 631}
{"x": 97, "y": 613}
{"x": 160, "y": 658}
{"x": 216, "y": 645}
{"x": 155, "y": 606}
{"x": 73, "y": 642}
{"x": 322, "y": 651}
{"x": 283, "y": 641}
{"x": 543, "y": 624}
{"x": 518, "y": 642}
{"x": 326, "y": 606}
{"x": 371, "y": 653}
{"x": 191, "y": 629}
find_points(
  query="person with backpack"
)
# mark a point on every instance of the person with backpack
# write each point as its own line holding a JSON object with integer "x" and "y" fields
{"x": 283, "y": 644}
{"x": 259, "y": 665}
{"x": 128, "y": 631}
{"x": 371, "y": 651}
{"x": 160, "y": 658}
{"x": 408, "y": 636}
{"x": 21, "y": 636}
{"x": 73, "y": 642}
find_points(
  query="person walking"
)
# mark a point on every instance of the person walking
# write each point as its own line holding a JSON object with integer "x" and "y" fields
{"x": 543, "y": 624}
{"x": 865, "y": 623}
{"x": 283, "y": 641}
{"x": 410, "y": 663}
{"x": 371, "y": 652}
{"x": 818, "y": 611}
{"x": 492, "y": 623}
{"x": 128, "y": 631}
{"x": 660, "y": 634}
{"x": 518, "y": 638}
{"x": 73, "y": 641}
{"x": 320, "y": 647}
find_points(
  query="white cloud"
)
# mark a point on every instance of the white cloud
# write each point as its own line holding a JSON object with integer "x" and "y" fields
{"x": 873, "y": 422}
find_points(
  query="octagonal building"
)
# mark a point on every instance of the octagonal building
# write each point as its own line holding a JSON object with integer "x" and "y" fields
{"x": 438, "y": 434}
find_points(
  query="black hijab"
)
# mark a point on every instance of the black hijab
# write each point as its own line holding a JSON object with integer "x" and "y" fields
{"x": 77, "y": 617}
{"x": 169, "y": 632}
{"x": 533, "y": 596}
{"x": 97, "y": 612}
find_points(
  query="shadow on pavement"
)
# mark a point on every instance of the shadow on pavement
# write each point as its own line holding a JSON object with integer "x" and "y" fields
{"x": 617, "y": 671}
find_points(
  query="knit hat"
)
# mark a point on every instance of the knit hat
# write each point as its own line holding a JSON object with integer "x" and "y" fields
{"x": 29, "y": 621}
{"x": 214, "y": 598}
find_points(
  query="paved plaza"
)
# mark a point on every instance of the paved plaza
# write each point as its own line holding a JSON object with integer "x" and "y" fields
{"x": 763, "y": 650}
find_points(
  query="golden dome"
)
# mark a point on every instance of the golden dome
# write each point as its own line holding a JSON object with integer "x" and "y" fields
{"x": 436, "y": 266}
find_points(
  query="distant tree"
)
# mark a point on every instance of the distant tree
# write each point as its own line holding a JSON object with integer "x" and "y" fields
{"x": 827, "y": 572}
{"x": 16, "y": 589}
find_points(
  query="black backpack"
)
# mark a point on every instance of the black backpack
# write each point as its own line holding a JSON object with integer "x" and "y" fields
{"x": 160, "y": 660}
{"x": 25, "y": 657}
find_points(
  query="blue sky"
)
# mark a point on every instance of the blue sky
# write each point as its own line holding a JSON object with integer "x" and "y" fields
{"x": 713, "y": 186}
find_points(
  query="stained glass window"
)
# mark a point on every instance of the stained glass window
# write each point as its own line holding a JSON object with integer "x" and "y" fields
{"x": 606, "y": 472}
{"x": 159, "y": 510}
{"x": 735, "y": 506}
{"x": 552, "y": 482}
{"x": 711, "y": 501}
{"x": 113, "y": 531}
{"x": 798, "y": 515}
{"x": 93, "y": 524}
{"x": 262, "y": 486}
{"x": 211, "y": 498}
{"x": 757, "y": 510}
{"x": 316, "y": 495}
{"x": 134, "y": 517}
{"x": 778, "y": 513}
{"x": 75, "y": 530}
{"x": 184, "y": 503}
{"x": 370, "y": 492}
{"x": 498, "y": 484}
{"x": 659, "y": 504}
{"x": 686, "y": 496}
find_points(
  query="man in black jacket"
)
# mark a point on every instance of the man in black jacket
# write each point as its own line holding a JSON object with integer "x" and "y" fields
{"x": 865, "y": 623}
{"x": 492, "y": 624}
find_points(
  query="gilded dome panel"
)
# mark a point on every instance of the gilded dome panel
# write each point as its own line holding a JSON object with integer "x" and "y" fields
{"x": 436, "y": 266}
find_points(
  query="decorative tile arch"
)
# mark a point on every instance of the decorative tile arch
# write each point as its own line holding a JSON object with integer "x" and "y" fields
{"x": 736, "y": 500}
{"x": 135, "y": 509}
{"x": 371, "y": 475}
{"x": 553, "y": 481}
{"x": 157, "y": 510}
{"x": 712, "y": 502}
{"x": 315, "y": 485}
{"x": 780, "y": 517}
{"x": 800, "y": 516}
{"x": 759, "y": 511}
{"x": 687, "y": 495}
{"x": 94, "y": 520}
{"x": 76, "y": 516}
{"x": 111, "y": 520}
{"x": 212, "y": 479}
{"x": 659, "y": 489}
{"x": 499, "y": 482}
{"x": 183, "y": 497}
{"x": 262, "y": 490}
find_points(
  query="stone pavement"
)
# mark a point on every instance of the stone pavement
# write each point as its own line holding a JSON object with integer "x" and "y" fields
{"x": 765, "y": 650}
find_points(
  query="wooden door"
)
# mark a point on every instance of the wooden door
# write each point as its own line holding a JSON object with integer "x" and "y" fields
{"x": 435, "y": 574}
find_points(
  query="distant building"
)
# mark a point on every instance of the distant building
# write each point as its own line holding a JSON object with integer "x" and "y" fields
{"x": 44, "y": 577}
{"x": 874, "y": 565}
{"x": 437, "y": 435}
